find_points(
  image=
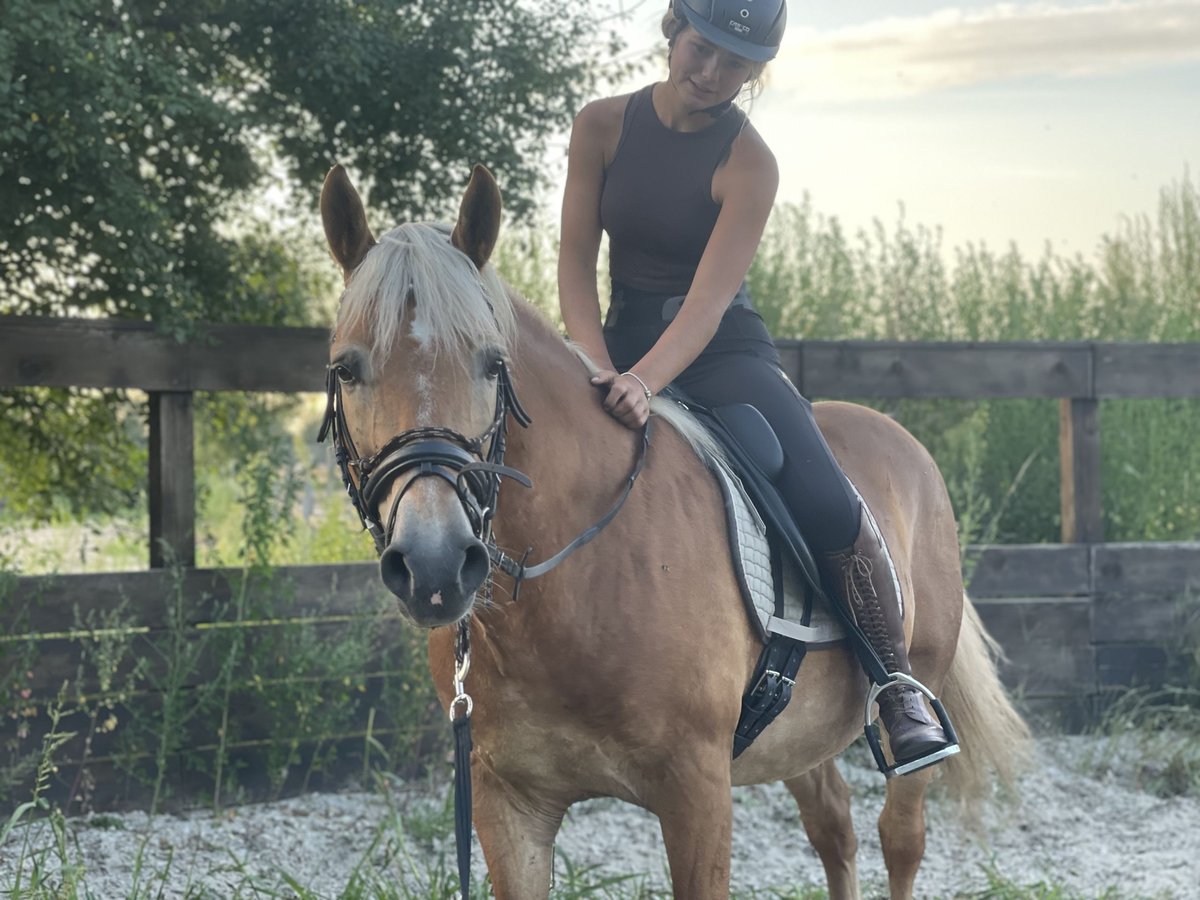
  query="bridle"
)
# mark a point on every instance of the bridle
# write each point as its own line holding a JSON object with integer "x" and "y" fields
{"x": 472, "y": 466}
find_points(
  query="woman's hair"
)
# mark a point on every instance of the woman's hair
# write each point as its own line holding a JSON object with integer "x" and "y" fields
{"x": 673, "y": 25}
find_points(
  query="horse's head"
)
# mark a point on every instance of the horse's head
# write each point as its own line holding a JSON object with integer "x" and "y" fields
{"x": 417, "y": 390}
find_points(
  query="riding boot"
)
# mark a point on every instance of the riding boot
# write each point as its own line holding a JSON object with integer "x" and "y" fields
{"x": 863, "y": 576}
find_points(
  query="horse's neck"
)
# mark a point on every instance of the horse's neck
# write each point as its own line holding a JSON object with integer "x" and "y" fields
{"x": 569, "y": 424}
{"x": 577, "y": 456}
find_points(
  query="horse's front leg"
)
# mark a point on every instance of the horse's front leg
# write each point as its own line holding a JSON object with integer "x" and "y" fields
{"x": 694, "y": 805}
{"x": 517, "y": 835}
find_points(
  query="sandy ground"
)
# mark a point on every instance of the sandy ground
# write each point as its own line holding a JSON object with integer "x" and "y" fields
{"x": 1084, "y": 823}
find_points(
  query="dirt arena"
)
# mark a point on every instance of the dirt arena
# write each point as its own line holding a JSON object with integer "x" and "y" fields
{"x": 1087, "y": 823}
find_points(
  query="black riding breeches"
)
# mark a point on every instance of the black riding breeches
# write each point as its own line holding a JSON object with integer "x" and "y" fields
{"x": 741, "y": 365}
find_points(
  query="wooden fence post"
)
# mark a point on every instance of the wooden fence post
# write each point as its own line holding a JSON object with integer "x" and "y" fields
{"x": 1079, "y": 466}
{"x": 172, "y": 480}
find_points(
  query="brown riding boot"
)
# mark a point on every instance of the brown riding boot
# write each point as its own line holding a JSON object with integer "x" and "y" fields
{"x": 863, "y": 577}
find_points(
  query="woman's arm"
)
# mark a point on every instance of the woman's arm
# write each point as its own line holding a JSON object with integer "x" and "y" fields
{"x": 579, "y": 246}
{"x": 745, "y": 187}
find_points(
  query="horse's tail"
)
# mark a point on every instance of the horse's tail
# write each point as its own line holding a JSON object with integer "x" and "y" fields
{"x": 994, "y": 737}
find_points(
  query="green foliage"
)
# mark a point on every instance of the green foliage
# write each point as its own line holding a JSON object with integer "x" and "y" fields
{"x": 171, "y": 674}
{"x": 1001, "y": 887}
{"x": 127, "y": 130}
{"x": 67, "y": 454}
{"x": 134, "y": 135}
{"x": 810, "y": 280}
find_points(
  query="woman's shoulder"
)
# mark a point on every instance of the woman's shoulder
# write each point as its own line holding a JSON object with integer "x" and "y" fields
{"x": 603, "y": 116}
{"x": 751, "y": 168}
{"x": 749, "y": 148}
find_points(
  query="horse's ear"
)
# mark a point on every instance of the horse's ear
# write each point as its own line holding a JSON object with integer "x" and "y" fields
{"x": 345, "y": 221}
{"x": 478, "y": 223}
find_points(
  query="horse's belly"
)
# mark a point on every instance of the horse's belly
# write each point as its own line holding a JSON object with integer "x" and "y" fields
{"x": 823, "y": 718}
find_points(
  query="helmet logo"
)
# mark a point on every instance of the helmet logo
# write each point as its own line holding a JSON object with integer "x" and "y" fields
{"x": 738, "y": 28}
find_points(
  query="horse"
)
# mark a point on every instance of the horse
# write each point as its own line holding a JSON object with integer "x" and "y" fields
{"x": 620, "y": 671}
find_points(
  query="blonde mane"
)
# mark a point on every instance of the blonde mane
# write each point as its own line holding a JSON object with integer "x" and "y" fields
{"x": 455, "y": 307}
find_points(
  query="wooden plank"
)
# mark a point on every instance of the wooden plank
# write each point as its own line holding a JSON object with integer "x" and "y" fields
{"x": 1147, "y": 568}
{"x": 1131, "y": 665}
{"x": 1148, "y": 370}
{"x": 172, "y": 480}
{"x": 89, "y": 353}
{"x": 1126, "y": 618}
{"x": 1046, "y": 642}
{"x": 851, "y": 369}
{"x": 189, "y": 783}
{"x": 62, "y": 660}
{"x": 1072, "y": 714}
{"x": 46, "y": 604}
{"x": 1079, "y": 471}
{"x": 259, "y": 358}
{"x": 132, "y": 354}
{"x": 1039, "y": 570}
{"x": 124, "y": 354}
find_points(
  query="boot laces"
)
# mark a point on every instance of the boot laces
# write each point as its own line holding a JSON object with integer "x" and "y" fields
{"x": 859, "y": 585}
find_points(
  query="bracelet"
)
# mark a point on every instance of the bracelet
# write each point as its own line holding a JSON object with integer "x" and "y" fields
{"x": 645, "y": 390}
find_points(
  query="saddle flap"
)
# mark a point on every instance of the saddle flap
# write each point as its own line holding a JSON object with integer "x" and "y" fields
{"x": 755, "y": 435}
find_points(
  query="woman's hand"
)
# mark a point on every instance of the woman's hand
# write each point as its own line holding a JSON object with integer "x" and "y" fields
{"x": 626, "y": 400}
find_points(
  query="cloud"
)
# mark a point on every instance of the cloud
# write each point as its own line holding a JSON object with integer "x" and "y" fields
{"x": 954, "y": 47}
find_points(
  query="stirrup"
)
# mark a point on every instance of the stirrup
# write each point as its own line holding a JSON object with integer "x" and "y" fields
{"x": 872, "y": 730}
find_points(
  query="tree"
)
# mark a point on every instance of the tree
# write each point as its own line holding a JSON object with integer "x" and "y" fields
{"x": 131, "y": 130}
{"x": 127, "y": 128}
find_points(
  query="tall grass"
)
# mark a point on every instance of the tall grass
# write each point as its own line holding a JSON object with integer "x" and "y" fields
{"x": 813, "y": 280}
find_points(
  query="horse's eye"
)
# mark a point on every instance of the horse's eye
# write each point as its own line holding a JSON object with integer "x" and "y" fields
{"x": 495, "y": 365}
{"x": 344, "y": 375}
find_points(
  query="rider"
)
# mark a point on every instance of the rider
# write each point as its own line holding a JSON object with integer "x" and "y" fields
{"x": 683, "y": 185}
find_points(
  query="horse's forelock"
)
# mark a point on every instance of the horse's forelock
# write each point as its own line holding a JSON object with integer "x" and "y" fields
{"x": 456, "y": 308}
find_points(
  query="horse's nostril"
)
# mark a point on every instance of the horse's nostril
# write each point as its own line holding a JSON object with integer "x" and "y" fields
{"x": 393, "y": 568}
{"x": 476, "y": 564}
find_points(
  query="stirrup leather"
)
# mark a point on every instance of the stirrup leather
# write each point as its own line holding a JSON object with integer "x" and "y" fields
{"x": 872, "y": 730}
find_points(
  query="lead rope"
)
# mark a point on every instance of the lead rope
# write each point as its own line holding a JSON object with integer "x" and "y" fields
{"x": 462, "y": 756}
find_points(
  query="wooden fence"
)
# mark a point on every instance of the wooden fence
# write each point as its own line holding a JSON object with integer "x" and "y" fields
{"x": 1075, "y": 618}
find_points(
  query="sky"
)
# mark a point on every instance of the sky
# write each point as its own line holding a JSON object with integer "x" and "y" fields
{"x": 1025, "y": 122}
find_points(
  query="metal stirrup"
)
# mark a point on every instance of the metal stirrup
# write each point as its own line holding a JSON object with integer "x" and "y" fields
{"x": 899, "y": 679}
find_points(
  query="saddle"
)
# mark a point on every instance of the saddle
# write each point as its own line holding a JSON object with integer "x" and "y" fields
{"x": 780, "y": 584}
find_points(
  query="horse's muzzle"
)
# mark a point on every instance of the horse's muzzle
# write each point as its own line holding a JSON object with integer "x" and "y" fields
{"x": 436, "y": 582}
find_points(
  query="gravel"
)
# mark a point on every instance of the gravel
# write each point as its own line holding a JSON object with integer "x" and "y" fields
{"x": 1082, "y": 823}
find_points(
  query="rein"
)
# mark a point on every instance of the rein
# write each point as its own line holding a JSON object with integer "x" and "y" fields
{"x": 474, "y": 471}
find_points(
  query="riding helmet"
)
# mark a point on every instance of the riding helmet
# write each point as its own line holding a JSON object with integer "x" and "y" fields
{"x": 753, "y": 29}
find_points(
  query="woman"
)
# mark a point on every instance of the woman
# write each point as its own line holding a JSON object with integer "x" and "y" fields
{"x": 683, "y": 185}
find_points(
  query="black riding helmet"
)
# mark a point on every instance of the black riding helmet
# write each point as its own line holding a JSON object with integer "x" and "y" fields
{"x": 752, "y": 29}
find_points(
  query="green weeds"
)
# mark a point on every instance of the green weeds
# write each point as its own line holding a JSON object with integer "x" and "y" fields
{"x": 1001, "y": 887}
{"x": 1153, "y": 738}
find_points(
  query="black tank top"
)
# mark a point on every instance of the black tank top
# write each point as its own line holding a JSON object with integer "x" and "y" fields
{"x": 656, "y": 201}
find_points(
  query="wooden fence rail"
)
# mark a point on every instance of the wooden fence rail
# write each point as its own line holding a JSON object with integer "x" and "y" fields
{"x": 120, "y": 354}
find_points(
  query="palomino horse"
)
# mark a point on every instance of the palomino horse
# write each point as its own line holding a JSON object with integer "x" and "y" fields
{"x": 620, "y": 672}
